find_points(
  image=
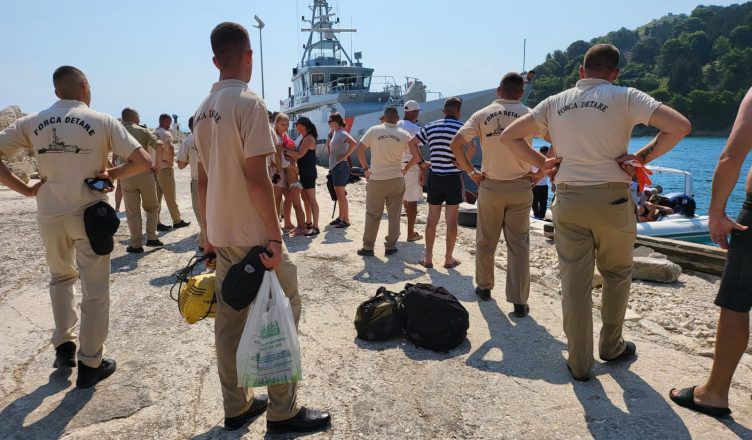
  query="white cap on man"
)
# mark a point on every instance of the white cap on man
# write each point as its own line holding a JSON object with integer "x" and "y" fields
{"x": 411, "y": 106}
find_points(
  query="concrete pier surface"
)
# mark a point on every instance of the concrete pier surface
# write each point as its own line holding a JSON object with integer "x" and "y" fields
{"x": 508, "y": 380}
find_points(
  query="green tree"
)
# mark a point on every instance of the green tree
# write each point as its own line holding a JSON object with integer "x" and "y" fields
{"x": 546, "y": 86}
{"x": 721, "y": 47}
{"x": 645, "y": 51}
{"x": 577, "y": 49}
{"x": 741, "y": 36}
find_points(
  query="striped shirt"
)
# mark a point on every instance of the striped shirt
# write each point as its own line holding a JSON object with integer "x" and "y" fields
{"x": 438, "y": 136}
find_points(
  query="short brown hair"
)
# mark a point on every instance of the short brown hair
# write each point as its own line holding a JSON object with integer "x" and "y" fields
{"x": 128, "y": 114}
{"x": 391, "y": 115}
{"x": 164, "y": 116}
{"x": 453, "y": 103}
{"x": 336, "y": 117}
{"x": 513, "y": 83}
{"x": 228, "y": 41}
{"x": 602, "y": 57}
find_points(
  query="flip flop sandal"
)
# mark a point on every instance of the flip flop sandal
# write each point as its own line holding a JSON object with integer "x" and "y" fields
{"x": 313, "y": 232}
{"x": 686, "y": 399}
{"x": 455, "y": 262}
{"x": 342, "y": 225}
{"x": 335, "y": 222}
{"x": 425, "y": 264}
{"x": 415, "y": 237}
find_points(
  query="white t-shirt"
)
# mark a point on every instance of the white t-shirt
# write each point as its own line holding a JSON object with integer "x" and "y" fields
{"x": 544, "y": 181}
{"x": 71, "y": 143}
{"x": 590, "y": 126}
{"x": 499, "y": 163}
{"x": 413, "y": 129}
{"x": 231, "y": 125}
{"x": 387, "y": 143}
{"x": 188, "y": 153}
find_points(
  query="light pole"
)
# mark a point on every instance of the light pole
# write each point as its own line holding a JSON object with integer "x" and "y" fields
{"x": 260, "y": 26}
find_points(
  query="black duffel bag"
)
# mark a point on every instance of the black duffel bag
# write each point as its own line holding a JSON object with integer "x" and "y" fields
{"x": 434, "y": 318}
{"x": 381, "y": 317}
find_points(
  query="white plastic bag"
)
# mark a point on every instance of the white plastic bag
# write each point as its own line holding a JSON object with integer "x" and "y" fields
{"x": 268, "y": 353}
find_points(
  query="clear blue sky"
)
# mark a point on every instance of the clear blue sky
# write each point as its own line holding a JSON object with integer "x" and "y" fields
{"x": 155, "y": 56}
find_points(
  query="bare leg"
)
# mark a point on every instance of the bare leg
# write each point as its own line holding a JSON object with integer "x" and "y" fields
{"x": 307, "y": 205}
{"x": 314, "y": 205}
{"x": 344, "y": 214}
{"x": 450, "y": 215}
{"x": 434, "y": 214}
{"x": 411, "y": 208}
{"x": 730, "y": 343}
{"x": 287, "y": 207}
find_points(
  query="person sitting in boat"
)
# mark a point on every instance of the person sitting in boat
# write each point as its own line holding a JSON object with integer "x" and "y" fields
{"x": 650, "y": 212}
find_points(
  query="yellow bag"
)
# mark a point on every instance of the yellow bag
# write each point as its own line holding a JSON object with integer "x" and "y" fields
{"x": 196, "y": 300}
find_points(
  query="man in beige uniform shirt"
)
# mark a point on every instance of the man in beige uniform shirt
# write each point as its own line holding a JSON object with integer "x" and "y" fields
{"x": 140, "y": 190}
{"x": 594, "y": 218}
{"x": 233, "y": 139}
{"x": 165, "y": 159}
{"x": 386, "y": 181}
{"x": 188, "y": 157}
{"x": 72, "y": 142}
{"x": 504, "y": 196}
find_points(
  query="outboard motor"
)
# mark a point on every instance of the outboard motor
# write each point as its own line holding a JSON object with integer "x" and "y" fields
{"x": 682, "y": 204}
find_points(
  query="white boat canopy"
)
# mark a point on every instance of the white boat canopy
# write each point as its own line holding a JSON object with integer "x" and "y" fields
{"x": 688, "y": 182}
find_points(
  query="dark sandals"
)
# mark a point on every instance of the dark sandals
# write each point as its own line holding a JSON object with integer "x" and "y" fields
{"x": 686, "y": 399}
{"x": 312, "y": 232}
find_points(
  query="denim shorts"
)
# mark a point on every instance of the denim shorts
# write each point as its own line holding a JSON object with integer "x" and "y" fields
{"x": 340, "y": 174}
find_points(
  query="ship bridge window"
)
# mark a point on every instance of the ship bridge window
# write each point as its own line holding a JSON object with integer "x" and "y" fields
{"x": 366, "y": 82}
{"x": 344, "y": 82}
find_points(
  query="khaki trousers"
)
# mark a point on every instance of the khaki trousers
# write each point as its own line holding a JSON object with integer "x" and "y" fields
{"x": 379, "y": 193}
{"x": 140, "y": 191}
{"x": 197, "y": 212}
{"x": 64, "y": 238}
{"x": 228, "y": 328}
{"x": 590, "y": 230}
{"x": 504, "y": 206}
{"x": 166, "y": 188}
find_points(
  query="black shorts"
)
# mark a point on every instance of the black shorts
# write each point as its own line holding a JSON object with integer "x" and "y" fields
{"x": 308, "y": 182}
{"x": 445, "y": 188}
{"x": 735, "y": 293}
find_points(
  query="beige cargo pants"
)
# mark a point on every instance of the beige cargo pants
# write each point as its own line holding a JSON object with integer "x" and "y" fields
{"x": 228, "y": 328}
{"x": 504, "y": 206}
{"x": 591, "y": 230}
{"x": 65, "y": 242}
{"x": 197, "y": 212}
{"x": 379, "y": 193}
{"x": 166, "y": 189}
{"x": 140, "y": 191}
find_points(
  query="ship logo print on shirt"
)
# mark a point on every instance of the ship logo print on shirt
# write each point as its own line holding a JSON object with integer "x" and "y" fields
{"x": 496, "y": 131}
{"x": 57, "y": 145}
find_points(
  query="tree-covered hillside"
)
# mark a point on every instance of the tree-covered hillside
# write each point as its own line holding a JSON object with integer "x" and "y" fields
{"x": 700, "y": 64}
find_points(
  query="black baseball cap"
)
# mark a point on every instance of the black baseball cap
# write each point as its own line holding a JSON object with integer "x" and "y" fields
{"x": 243, "y": 280}
{"x": 101, "y": 223}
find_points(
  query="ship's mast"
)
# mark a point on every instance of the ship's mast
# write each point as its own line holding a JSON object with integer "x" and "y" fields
{"x": 322, "y": 35}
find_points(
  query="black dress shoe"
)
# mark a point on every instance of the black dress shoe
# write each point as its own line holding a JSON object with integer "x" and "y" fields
{"x": 134, "y": 250}
{"x": 389, "y": 252}
{"x": 521, "y": 310}
{"x": 65, "y": 355}
{"x": 154, "y": 243}
{"x": 305, "y": 420}
{"x": 180, "y": 224}
{"x": 483, "y": 294}
{"x": 630, "y": 352}
{"x": 163, "y": 228}
{"x": 258, "y": 406}
{"x": 88, "y": 376}
{"x": 365, "y": 252}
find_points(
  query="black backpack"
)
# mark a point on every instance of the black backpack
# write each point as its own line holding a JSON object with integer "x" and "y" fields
{"x": 434, "y": 318}
{"x": 381, "y": 317}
